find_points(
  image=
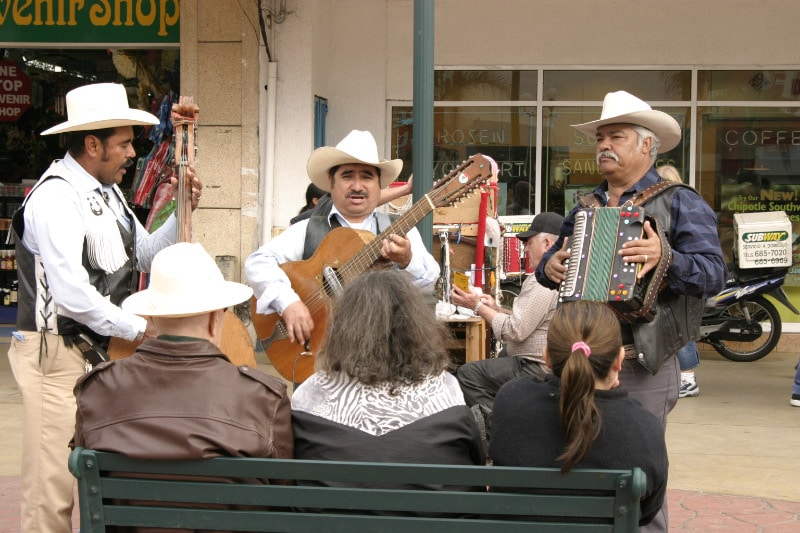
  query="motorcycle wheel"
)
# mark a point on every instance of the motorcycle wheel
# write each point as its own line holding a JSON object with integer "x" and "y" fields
{"x": 761, "y": 310}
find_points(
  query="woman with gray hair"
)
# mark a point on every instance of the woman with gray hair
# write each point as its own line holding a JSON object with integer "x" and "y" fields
{"x": 381, "y": 391}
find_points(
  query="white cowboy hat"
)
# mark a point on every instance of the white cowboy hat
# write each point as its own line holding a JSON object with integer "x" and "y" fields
{"x": 185, "y": 281}
{"x": 623, "y": 108}
{"x": 357, "y": 147}
{"x": 98, "y": 106}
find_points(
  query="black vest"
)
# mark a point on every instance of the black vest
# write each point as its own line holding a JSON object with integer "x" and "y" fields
{"x": 117, "y": 285}
{"x": 678, "y": 318}
{"x": 319, "y": 225}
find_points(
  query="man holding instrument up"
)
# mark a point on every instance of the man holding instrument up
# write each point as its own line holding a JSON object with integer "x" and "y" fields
{"x": 354, "y": 175}
{"x": 79, "y": 249}
{"x": 630, "y": 135}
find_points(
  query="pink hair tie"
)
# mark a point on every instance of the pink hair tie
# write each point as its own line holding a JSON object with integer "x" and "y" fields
{"x": 580, "y": 345}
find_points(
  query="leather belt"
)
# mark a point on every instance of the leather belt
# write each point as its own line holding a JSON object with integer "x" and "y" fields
{"x": 630, "y": 351}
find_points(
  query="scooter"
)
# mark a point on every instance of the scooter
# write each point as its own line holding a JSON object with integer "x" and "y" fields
{"x": 739, "y": 322}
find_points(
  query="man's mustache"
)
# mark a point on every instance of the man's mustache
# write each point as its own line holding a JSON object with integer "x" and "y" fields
{"x": 127, "y": 163}
{"x": 607, "y": 153}
{"x": 350, "y": 194}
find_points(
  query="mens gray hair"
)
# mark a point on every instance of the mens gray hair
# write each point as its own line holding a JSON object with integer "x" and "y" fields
{"x": 643, "y": 133}
{"x": 542, "y": 236}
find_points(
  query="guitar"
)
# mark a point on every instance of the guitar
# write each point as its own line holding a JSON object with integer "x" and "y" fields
{"x": 343, "y": 255}
{"x": 235, "y": 342}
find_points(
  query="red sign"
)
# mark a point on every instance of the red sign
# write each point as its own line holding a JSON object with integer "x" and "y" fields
{"x": 15, "y": 91}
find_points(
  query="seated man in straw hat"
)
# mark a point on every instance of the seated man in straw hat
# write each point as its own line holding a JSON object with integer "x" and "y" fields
{"x": 354, "y": 175}
{"x": 79, "y": 247}
{"x": 179, "y": 384}
{"x": 630, "y": 135}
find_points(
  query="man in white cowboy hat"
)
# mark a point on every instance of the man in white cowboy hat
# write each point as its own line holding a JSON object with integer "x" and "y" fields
{"x": 629, "y": 136}
{"x": 354, "y": 175}
{"x": 180, "y": 384}
{"x": 79, "y": 248}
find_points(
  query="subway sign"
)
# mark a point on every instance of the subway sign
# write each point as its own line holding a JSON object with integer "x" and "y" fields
{"x": 155, "y": 22}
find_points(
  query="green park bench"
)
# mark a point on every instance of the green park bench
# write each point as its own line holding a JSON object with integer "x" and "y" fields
{"x": 115, "y": 490}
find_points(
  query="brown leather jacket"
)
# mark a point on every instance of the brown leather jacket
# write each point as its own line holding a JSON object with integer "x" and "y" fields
{"x": 179, "y": 398}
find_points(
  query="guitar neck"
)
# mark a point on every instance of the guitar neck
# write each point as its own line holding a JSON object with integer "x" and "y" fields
{"x": 370, "y": 253}
{"x": 452, "y": 188}
{"x": 184, "y": 120}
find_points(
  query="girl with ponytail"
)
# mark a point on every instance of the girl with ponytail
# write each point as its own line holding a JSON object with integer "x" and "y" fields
{"x": 580, "y": 417}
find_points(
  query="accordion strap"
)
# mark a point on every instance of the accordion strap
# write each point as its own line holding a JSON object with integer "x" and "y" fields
{"x": 592, "y": 200}
{"x": 654, "y": 190}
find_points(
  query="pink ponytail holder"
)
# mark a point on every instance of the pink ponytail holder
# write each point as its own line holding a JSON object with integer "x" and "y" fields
{"x": 580, "y": 345}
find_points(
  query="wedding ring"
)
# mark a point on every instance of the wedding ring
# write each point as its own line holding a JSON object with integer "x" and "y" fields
{"x": 645, "y": 258}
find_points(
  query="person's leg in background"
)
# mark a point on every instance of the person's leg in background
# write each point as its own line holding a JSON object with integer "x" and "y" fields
{"x": 795, "y": 401}
{"x": 688, "y": 359}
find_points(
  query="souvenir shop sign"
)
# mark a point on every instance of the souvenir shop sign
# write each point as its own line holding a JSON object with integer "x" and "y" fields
{"x": 15, "y": 91}
{"x": 153, "y": 22}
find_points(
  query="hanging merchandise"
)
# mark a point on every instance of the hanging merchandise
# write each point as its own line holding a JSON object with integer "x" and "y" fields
{"x": 155, "y": 168}
{"x": 162, "y": 206}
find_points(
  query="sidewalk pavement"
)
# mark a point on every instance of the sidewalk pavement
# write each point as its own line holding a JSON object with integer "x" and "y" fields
{"x": 734, "y": 461}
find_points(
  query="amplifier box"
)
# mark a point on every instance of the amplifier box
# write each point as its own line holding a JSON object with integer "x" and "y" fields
{"x": 763, "y": 239}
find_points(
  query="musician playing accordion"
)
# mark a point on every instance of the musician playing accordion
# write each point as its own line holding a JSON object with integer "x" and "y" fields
{"x": 684, "y": 243}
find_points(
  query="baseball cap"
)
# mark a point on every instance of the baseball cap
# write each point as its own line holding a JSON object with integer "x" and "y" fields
{"x": 548, "y": 222}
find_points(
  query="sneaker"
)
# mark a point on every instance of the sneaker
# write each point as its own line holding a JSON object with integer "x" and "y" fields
{"x": 795, "y": 400}
{"x": 688, "y": 388}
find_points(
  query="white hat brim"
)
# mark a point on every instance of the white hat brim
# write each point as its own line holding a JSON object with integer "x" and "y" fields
{"x": 661, "y": 124}
{"x": 326, "y": 157}
{"x": 131, "y": 117}
{"x": 225, "y": 295}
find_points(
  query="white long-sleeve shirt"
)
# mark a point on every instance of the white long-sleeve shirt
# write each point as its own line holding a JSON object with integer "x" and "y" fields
{"x": 55, "y": 231}
{"x": 272, "y": 287}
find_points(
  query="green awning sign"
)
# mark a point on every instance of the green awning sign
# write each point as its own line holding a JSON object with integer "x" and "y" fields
{"x": 155, "y": 22}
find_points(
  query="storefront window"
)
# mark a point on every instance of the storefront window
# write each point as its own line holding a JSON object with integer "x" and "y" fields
{"x": 747, "y": 138}
{"x": 751, "y": 158}
{"x": 748, "y": 85}
{"x": 590, "y": 85}
{"x": 35, "y": 82}
{"x": 484, "y": 85}
{"x": 507, "y": 134}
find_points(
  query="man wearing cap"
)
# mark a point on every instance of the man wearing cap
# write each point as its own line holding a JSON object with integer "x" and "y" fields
{"x": 354, "y": 175}
{"x": 629, "y": 136}
{"x": 523, "y": 329}
{"x": 178, "y": 396}
{"x": 79, "y": 248}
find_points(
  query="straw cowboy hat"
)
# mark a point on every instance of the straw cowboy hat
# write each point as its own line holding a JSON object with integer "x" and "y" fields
{"x": 99, "y": 106}
{"x": 623, "y": 108}
{"x": 185, "y": 281}
{"x": 357, "y": 147}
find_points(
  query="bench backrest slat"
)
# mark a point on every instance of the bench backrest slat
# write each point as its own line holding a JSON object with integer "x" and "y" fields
{"x": 583, "y": 500}
{"x": 374, "y": 499}
{"x": 314, "y": 523}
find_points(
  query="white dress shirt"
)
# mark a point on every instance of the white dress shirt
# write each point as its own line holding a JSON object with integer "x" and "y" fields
{"x": 55, "y": 231}
{"x": 272, "y": 287}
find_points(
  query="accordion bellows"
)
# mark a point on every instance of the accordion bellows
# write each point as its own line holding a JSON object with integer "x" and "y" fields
{"x": 595, "y": 270}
